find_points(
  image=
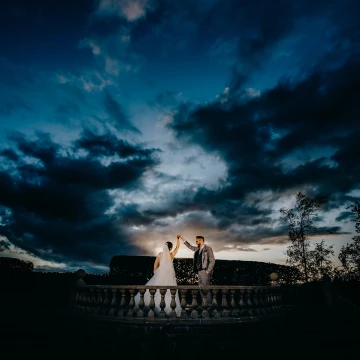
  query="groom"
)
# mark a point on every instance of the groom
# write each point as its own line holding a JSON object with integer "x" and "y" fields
{"x": 204, "y": 262}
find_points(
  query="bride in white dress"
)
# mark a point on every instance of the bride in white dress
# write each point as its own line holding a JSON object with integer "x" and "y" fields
{"x": 164, "y": 274}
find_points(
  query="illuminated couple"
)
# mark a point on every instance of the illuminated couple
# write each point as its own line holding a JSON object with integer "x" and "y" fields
{"x": 164, "y": 272}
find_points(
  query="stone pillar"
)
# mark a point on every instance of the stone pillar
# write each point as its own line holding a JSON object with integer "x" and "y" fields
{"x": 74, "y": 293}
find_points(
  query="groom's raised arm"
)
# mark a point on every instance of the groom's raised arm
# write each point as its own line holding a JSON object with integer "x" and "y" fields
{"x": 191, "y": 247}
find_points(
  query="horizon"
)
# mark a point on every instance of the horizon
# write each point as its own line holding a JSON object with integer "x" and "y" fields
{"x": 124, "y": 123}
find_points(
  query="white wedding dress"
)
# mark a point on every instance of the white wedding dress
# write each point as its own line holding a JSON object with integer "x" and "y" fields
{"x": 163, "y": 275}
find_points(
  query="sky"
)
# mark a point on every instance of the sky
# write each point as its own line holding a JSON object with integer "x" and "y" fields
{"x": 126, "y": 122}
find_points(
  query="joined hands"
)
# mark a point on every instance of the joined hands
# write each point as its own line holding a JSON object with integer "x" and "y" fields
{"x": 179, "y": 236}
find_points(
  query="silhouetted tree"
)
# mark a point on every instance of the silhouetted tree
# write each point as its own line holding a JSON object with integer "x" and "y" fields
{"x": 319, "y": 260}
{"x": 349, "y": 255}
{"x": 300, "y": 222}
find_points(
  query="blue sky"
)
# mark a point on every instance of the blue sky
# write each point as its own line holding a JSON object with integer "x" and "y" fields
{"x": 123, "y": 123}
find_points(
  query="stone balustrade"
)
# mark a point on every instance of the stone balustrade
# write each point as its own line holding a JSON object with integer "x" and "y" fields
{"x": 229, "y": 303}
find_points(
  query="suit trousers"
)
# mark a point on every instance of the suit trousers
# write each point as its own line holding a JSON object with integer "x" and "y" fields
{"x": 204, "y": 279}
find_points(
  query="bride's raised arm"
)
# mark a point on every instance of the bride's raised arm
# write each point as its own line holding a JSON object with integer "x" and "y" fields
{"x": 157, "y": 262}
{"x": 173, "y": 253}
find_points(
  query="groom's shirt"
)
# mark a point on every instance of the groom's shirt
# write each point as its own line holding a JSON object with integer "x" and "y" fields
{"x": 198, "y": 261}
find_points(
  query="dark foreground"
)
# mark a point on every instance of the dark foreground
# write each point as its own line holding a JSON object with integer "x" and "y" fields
{"x": 304, "y": 332}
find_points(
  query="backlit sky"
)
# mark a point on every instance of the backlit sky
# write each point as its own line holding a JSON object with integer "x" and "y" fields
{"x": 123, "y": 123}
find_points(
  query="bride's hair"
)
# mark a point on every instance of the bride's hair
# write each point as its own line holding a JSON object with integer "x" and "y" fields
{"x": 169, "y": 244}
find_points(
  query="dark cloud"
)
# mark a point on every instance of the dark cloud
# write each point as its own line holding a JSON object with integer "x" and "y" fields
{"x": 57, "y": 205}
{"x": 294, "y": 136}
{"x": 9, "y": 154}
{"x": 345, "y": 215}
{"x": 117, "y": 115}
{"x": 4, "y": 245}
{"x": 109, "y": 145}
{"x": 241, "y": 248}
{"x": 256, "y": 137}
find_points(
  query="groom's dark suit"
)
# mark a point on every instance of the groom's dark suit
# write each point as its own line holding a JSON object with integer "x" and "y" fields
{"x": 207, "y": 258}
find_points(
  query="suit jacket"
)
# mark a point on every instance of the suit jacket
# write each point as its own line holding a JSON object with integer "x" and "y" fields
{"x": 207, "y": 256}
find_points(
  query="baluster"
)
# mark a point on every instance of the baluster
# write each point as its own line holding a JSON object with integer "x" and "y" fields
{"x": 224, "y": 304}
{"x": 162, "y": 305}
{"x": 140, "y": 312}
{"x": 106, "y": 307}
{"x": 247, "y": 301}
{"x": 122, "y": 304}
{"x": 262, "y": 301}
{"x": 259, "y": 296}
{"x": 93, "y": 300}
{"x": 254, "y": 301}
{"x": 77, "y": 300}
{"x": 216, "y": 313}
{"x": 183, "y": 304}
{"x": 266, "y": 300}
{"x": 173, "y": 303}
{"x": 272, "y": 301}
{"x": 277, "y": 298}
{"x": 205, "y": 312}
{"x": 99, "y": 300}
{"x": 131, "y": 311}
{"x": 79, "y": 304}
{"x": 114, "y": 302}
{"x": 194, "y": 304}
{"x": 250, "y": 303}
{"x": 74, "y": 298}
{"x": 280, "y": 296}
{"x": 233, "y": 312}
{"x": 87, "y": 301}
{"x": 84, "y": 300}
{"x": 151, "y": 313}
{"x": 242, "y": 305}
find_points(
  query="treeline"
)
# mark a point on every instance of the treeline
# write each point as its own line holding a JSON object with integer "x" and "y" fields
{"x": 134, "y": 270}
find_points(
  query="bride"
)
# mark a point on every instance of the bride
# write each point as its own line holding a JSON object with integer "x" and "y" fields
{"x": 164, "y": 274}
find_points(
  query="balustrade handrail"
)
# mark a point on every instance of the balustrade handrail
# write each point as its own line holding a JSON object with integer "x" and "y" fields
{"x": 188, "y": 287}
